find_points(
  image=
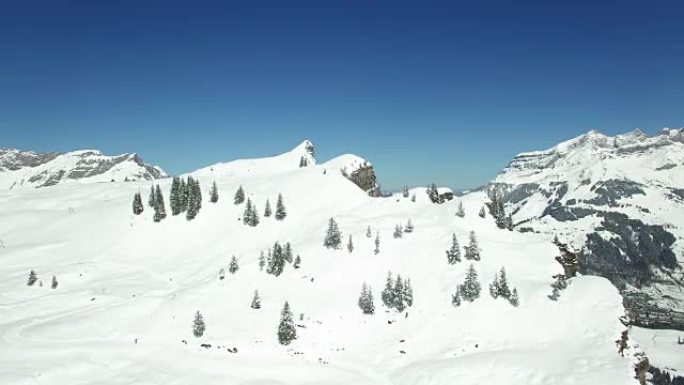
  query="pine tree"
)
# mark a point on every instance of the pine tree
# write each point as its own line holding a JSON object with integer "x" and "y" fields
{"x": 333, "y": 236}
{"x": 405, "y": 193}
{"x": 54, "y": 282}
{"x": 472, "y": 251}
{"x": 408, "y": 292}
{"x": 456, "y": 297}
{"x": 267, "y": 209}
{"x": 366, "y": 300}
{"x": 287, "y": 253}
{"x": 138, "y": 206}
{"x": 399, "y": 301}
{"x": 152, "y": 200}
{"x": 494, "y": 287}
{"x": 233, "y": 268}
{"x": 413, "y": 198}
{"x": 280, "y": 213}
{"x": 198, "y": 325}
{"x": 174, "y": 196}
{"x": 409, "y": 226}
{"x": 470, "y": 289}
{"x": 194, "y": 199}
{"x": 460, "y": 212}
{"x": 433, "y": 194}
{"x": 254, "y": 217}
{"x": 368, "y": 232}
{"x": 256, "y": 301}
{"x": 504, "y": 290}
{"x": 213, "y": 193}
{"x": 398, "y": 232}
{"x": 286, "y": 328}
{"x": 482, "y": 212}
{"x": 239, "y": 196}
{"x": 183, "y": 196}
{"x": 454, "y": 252}
{"x": 250, "y": 216}
{"x": 262, "y": 261}
{"x": 387, "y": 294}
{"x": 159, "y": 207}
{"x": 297, "y": 262}
{"x": 276, "y": 263}
{"x": 350, "y": 244}
{"x": 377, "y": 244}
{"x": 514, "y": 300}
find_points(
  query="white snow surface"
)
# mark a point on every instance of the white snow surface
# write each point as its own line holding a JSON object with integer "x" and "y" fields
{"x": 123, "y": 277}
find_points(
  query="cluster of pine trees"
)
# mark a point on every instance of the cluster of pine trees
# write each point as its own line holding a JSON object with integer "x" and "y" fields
{"x": 399, "y": 229}
{"x": 278, "y": 256}
{"x": 156, "y": 202}
{"x": 398, "y": 293}
{"x": 471, "y": 251}
{"x": 186, "y": 197}
{"x": 498, "y": 211}
{"x": 469, "y": 290}
{"x": 33, "y": 278}
{"x": 499, "y": 288}
{"x": 333, "y": 235}
{"x": 251, "y": 215}
{"x": 366, "y": 303}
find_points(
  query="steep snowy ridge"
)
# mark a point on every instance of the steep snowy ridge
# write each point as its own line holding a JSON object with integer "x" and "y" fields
{"x": 620, "y": 200}
{"x": 30, "y": 169}
{"x": 129, "y": 287}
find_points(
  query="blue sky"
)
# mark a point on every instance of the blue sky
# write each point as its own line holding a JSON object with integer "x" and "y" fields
{"x": 428, "y": 91}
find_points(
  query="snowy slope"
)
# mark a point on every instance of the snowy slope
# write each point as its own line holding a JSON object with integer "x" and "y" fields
{"x": 31, "y": 169}
{"x": 123, "y": 277}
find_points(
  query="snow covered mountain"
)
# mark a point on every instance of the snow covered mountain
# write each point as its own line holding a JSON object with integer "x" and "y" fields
{"x": 621, "y": 200}
{"x": 26, "y": 168}
{"x": 129, "y": 288}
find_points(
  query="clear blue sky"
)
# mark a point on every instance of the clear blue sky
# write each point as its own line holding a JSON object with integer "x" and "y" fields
{"x": 428, "y": 91}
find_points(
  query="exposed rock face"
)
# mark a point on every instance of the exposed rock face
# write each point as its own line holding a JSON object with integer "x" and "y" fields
{"x": 618, "y": 199}
{"x": 357, "y": 170}
{"x": 26, "y": 168}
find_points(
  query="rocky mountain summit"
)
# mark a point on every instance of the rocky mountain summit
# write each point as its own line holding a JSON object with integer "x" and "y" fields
{"x": 33, "y": 169}
{"x": 619, "y": 200}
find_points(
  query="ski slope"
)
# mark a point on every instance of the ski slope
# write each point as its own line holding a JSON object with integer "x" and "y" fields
{"x": 129, "y": 287}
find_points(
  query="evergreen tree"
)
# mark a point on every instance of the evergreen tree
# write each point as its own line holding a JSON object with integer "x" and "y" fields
{"x": 460, "y": 212}
{"x": 276, "y": 263}
{"x": 280, "y": 213}
{"x": 297, "y": 262}
{"x": 222, "y": 274}
{"x": 194, "y": 199}
{"x": 387, "y": 294}
{"x": 182, "y": 196}
{"x": 159, "y": 207}
{"x": 409, "y": 226}
{"x": 174, "y": 196}
{"x": 454, "y": 252}
{"x": 504, "y": 290}
{"x": 287, "y": 253}
{"x": 398, "y": 232}
{"x": 408, "y": 292}
{"x": 239, "y": 196}
{"x": 482, "y": 213}
{"x": 198, "y": 326}
{"x": 254, "y": 217}
{"x": 433, "y": 194}
{"x": 250, "y": 216}
{"x": 333, "y": 236}
{"x": 54, "y": 282}
{"x": 233, "y": 268}
{"x": 470, "y": 289}
{"x": 377, "y": 244}
{"x": 350, "y": 244}
{"x": 368, "y": 232}
{"x": 399, "y": 302}
{"x": 286, "y": 328}
{"x": 472, "y": 251}
{"x": 405, "y": 193}
{"x": 267, "y": 209}
{"x": 256, "y": 301}
{"x": 262, "y": 261}
{"x": 514, "y": 300}
{"x": 366, "y": 300}
{"x": 456, "y": 297}
{"x": 413, "y": 198}
{"x": 213, "y": 193}
{"x": 152, "y": 200}
{"x": 138, "y": 206}
{"x": 494, "y": 287}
